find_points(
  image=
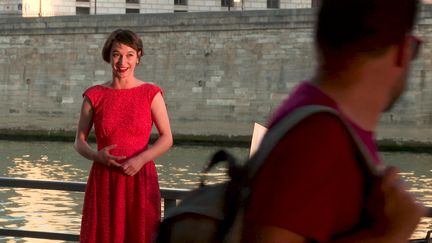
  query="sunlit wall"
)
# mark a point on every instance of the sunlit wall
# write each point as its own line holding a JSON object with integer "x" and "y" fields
{"x": 34, "y": 8}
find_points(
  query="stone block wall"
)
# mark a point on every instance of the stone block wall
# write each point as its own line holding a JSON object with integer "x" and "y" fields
{"x": 221, "y": 71}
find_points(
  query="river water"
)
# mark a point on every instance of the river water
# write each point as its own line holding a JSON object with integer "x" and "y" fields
{"x": 59, "y": 211}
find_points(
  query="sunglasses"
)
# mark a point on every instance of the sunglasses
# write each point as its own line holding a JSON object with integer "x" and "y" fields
{"x": 416, "y": 43}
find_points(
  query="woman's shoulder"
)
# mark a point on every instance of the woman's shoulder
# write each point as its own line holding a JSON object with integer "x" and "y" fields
{"x": 93, "y": 90}
{"x": 151, "y": 88}
{"x": 150, "y": 85}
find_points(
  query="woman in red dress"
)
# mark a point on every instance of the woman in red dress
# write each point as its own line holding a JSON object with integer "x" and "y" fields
{"x": 122, "y": 198}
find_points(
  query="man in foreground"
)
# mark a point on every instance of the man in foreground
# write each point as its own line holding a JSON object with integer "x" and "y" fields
{"x": 312, "y": 187}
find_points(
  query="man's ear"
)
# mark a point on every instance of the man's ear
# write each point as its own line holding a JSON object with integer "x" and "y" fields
{"x": 403, "y": 52}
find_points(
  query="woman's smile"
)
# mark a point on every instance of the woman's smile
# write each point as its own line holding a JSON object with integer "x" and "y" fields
{"x": 123, "y": 59}
{"x": 122, "y": 69}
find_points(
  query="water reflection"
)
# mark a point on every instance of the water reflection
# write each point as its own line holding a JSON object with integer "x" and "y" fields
{"x": 181, "y": 167}
{"x": 416, "y": 169}
{"x": 39, "y": 210}
{"x": 60, "y": 211}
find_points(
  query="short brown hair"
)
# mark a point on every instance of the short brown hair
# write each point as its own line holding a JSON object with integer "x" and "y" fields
{"x": 126, "y": 37}
{"x": 351, "y": 27}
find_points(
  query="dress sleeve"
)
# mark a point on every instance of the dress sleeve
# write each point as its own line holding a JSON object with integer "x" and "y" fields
{"x": 311, "y": 183}
{"x": 154, "y": 89}
{"x": 92, "y": 94}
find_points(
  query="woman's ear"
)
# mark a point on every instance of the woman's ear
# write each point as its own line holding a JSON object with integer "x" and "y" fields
{"x": 140, "y": 53}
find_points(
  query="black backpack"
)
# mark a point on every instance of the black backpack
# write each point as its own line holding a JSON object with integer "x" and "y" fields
{"x": 214, "y": 213}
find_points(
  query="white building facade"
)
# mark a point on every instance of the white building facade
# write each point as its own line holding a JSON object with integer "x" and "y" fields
{"x": 35, "y": 8}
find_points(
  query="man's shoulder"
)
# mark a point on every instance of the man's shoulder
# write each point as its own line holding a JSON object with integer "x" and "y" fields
{"x": 315, "y": 155}
{"x": 320, "y": 125}
{"x": 320, "y": 136}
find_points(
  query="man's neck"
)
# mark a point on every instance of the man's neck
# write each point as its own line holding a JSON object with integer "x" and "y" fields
{"x": 355, "y": 95}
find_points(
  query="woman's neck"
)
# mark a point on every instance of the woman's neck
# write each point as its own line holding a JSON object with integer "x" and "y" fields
{"x": 124, "y": 83}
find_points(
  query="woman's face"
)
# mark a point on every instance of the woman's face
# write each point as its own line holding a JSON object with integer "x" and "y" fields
{"x": 123, "y": 60}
